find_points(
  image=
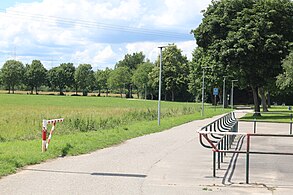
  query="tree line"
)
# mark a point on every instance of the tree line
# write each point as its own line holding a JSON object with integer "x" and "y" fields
{"x": 134, "y": 73}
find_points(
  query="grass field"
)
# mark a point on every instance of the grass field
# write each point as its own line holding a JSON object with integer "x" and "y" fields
{"x": 279, "y": 114}
{"x": 90, "y": 123}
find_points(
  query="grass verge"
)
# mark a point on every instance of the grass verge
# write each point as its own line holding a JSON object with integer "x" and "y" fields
{"x": 16, "y": 154}
{"x": 277, "y": 114}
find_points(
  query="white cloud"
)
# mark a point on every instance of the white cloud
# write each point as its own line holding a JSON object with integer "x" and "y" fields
{"x": 99, "y": 32}
{"x": 151, "y": 50}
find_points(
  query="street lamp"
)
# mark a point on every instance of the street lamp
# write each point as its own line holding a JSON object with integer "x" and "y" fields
{"x": 224, "y": 92}
{"x": 202, "y": 95}
{"x": 160, "y": 85}
{"x": 232, "y": 93}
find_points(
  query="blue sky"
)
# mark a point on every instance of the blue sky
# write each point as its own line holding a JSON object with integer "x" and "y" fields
{"x": 98, "y": 32}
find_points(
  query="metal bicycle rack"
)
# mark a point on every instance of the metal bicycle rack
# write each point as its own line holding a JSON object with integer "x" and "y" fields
{"x": 220, "y": 134}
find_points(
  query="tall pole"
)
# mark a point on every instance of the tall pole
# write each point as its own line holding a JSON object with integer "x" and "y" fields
{"x": 202, "y": 95}
{"x": 232, "y": 94}
{"x": 203, "y": 87}
{"x": 160, "y": 83}
{"x": 224, "y": 93}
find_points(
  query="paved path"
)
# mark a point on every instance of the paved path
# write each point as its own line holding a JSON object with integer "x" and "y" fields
{"x": 169, "y": 162}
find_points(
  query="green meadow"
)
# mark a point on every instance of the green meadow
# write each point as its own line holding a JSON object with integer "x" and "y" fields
{"x": 276, "y": 114}
{"x": 90, "y": 123}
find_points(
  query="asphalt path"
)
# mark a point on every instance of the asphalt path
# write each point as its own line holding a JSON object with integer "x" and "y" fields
{"x": 169, "y": 162}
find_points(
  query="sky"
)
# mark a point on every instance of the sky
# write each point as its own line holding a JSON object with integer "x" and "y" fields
{"x": 97, "y": 32}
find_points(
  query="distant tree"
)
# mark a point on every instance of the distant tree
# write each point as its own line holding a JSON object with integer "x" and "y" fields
{"x": 102, "y": 79}
{"x": 12, "y": 74}
{"x": 175, "y": 71}
{"x": 131, "y": 62}
{"x": 119, "y": 78}
{"x": 62, "y": 76}
{"x": 85, "y": 78}
{"x": 140, "y": 77}
{"x": 251, "y": 37}
{"x": 153, "y": 82}
{"x": 35, "y": 75}
{"x": 285, "y": 80}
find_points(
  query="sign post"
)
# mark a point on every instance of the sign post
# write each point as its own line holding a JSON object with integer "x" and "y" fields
{"x": 215, "y": 92}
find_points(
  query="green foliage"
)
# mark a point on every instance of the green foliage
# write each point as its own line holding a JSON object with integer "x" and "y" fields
{"x": 35, "y": 75}
{"x": 119, "y": 78}
{"x": 102, "y": 79}
{"x": 62, "y": 76}
{"x": 131, "y": 61}
{"x": 12, "y": 74}
{"x": 285, "y": 80}
{"x": 250, "y": 37}
{"x": 140, "y": 77}
{"x": 85, "y": 78}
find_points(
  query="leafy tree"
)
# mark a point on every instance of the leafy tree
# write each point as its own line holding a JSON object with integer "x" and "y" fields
{"x": 35, "y": 75}
{"x": 214, "y": 75}
{"x": 175, "y": 71}
{"x": 131, "y": 62}
{"x": 251, "y": 37}
{"x": 102, "y": 80}
{"x": 153, "y": 82}
{"x": 62, "y": 76}
{"x": 119, "y": 78}
{"x": 85, "y": 78}
{"x": 285, "y": 80}
{"x": 12, "y": 74}
{"x": 140, "y": 77}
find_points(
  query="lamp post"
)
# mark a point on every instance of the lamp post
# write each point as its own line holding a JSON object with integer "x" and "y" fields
{"x": 232, "y": 93}
{"x": 202, "y": 95}
{"x": 160, "y": 86}
{"x": 224, "y": 92}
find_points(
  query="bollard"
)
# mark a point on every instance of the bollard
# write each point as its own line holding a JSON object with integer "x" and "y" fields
{"x": 291, "y": 124}
{"x": 254, "y": 125}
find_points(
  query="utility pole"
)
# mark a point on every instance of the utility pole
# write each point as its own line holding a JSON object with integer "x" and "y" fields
{"x": 232, "y": 93}
{"x": 203, "y": 87}
{"x": 224, "y": 92}
{"x": 160, "y": 86}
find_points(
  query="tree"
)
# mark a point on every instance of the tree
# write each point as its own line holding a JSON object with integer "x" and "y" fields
{"x": 131, "y": 62}
{"x": 251, "y": 37}
{"x": 85, "y": 78}
{"x": 35, "y": 75}
{"x": 140, "y": 77}
{"x": 12, "y": 74}
{"x": 62, "y": 76}
{"x": 214, "y": 75}
{"x": 102, "y": 80}
{"x": 285, "y": 80}
{"x": 175, "y": 71}
{"x": 119, "y": 78}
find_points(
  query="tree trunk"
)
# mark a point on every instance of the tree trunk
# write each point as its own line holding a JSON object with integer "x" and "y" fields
{"x": 9, "y": 90}
{"x": 36, "y": 90}
{"x": 263, "y": 99}
{"x": 107, "y": 92}
{"x": 61, "y": 92}
{"x": 255, "y": 100}
{"x": 269, "y": 99}
{"x": 173, "y": 96}
{"x": 32, "y": 90}
{"x": 12, "y": 89}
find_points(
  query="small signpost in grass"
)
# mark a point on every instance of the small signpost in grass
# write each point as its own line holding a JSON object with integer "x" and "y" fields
{"x": 215, "y": 92}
